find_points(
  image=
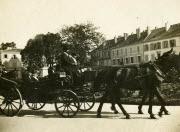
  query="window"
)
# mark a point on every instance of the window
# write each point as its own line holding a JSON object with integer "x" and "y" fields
{"x": 113, "y": 53}
{"x": 125, "y": 51}
{"x": 146, "y": 47}
{"x": 109, "y": 54}
{"x": 172, "y": 43}
{"x": 138, "y": 49}
{"x": 146, "y": 58}
{"x": 127, "y": 60}
{"x": 132, "y": 59}
{"x": 165, "y": 44}
{"x": 152, "y": 57}
{"x": 122, "y": 62}
{"x": 158, "y": 45}
{"x": 152, "y": 46}
{"x": 119, "y": 62}
{"x": 114, "y": 62}
{"x": 121, "y": 51}
{"x": 130, "y": 50}
{"x": 139, "y": 58}
{"x": 6, "y": 56}
{"x": 117, "y": 52}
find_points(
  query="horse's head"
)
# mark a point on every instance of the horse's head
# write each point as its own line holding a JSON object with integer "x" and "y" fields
{"x": 168, "y": 60}
{"x": 156, "y": 74}
{"x": 155, "y": 68}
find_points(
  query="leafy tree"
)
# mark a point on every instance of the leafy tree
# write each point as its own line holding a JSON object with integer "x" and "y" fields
{"x": 33, "y": 52}
{"x": 81, "y": 38}
{"x": 52, "y": 43}
{"x": 41, "y": 45}
{"x": 4, "y": 46}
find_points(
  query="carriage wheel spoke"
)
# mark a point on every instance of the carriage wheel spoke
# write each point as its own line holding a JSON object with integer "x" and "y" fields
{"x": 35, "y": 105}
{"x": 84, "y": 106}
{"x": 14, "y": 106}
{"x": 8, "y": 109}
{"x": 64, "y": 109}
{"x": 16, "y": 102}
{"x": 88, "y": 104}
{"x": 72, "y": 105}
{"x": 5, "y": 107}
{"x": 68, "y": 110}
{"x": 40, "y": 104}
{"x": 12, "y": 109}
{"x": 60, "y": 106}
{"x": 1, "y": 105}
{"x": 71, "y": 108}
{"x": 2, "y": 98}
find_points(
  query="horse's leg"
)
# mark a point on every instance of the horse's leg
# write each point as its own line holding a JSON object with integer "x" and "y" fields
{"x": 141, "y": 104}
{"x": 160, "y": 98}
{"x": 112, "y": 99}
{"x": 101, "y": 105}
{"x": 151, "y": 97}
{"x": 122, "y": 108}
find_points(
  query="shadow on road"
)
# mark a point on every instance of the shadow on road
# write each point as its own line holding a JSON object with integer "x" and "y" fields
{"x": 81, "y": 114}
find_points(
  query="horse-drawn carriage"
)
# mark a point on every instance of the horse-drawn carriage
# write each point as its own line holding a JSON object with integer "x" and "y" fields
{"x": 68, "y": 99}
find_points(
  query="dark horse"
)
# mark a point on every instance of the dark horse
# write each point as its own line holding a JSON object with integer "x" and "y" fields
{"x": 166, "y": 62}
{"x": 145, "y": 77}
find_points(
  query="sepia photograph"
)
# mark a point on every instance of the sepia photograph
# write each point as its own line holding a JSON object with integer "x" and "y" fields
{"x": 89, "y": 66}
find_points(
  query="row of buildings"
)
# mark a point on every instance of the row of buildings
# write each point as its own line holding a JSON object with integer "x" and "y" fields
{"x": 137, "y": 48}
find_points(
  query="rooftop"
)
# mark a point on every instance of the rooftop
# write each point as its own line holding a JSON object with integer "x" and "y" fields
{"x": 11, "y": 50}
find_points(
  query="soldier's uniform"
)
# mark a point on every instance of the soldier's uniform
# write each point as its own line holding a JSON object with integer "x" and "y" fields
{"x": 69, "y": 64}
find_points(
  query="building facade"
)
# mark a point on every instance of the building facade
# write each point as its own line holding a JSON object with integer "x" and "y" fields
{"x": 11, "y": 59}
{"x": 142, "y": 46}
{"x": 6, "y": 55}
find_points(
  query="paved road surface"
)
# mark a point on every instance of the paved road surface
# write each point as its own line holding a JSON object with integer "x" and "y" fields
{"x": 47, "y": 120}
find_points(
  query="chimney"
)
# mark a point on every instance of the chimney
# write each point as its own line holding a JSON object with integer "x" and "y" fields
{"x": 167, "y": 26}
{"x": 148, "y": 30}
{"x": 119, "y": 37}
{"x": 125, "y": 36}
{"x": 138, "y": 32}
{"x": 115, "y": 39}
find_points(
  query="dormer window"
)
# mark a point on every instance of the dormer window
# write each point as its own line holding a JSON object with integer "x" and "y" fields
{"x": 172, "y": 43}
{"x": 6, "y": 56}
{"x": 165, "y": 44}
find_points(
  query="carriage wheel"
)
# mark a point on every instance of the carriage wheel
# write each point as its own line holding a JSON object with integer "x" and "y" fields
{"x": 33, "y": 103}
{"x": 10, "y": 102}
{"x": 35, "y": 106}
{"x": 87, "y": 101}
{"x": 67, "y": 104}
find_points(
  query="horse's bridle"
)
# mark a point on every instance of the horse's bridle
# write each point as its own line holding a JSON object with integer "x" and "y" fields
{"x": 157, "y": 70}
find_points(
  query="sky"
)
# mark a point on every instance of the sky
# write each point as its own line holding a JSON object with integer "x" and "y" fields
{"x": 21, "y": 20}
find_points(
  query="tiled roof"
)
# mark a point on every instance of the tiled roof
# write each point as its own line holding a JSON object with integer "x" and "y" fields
{"x": 108, "y": 44}
{"x": 132, "y": 39}
{"x": 11, "y": 50}
{"x": 155, "y": 33}
{"x": 173, "y": 31}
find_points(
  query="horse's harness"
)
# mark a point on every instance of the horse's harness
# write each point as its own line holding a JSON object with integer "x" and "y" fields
{"x": 157, "y": 72}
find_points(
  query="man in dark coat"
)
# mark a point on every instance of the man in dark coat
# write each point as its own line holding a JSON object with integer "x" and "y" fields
{"x": 69, "y": 64}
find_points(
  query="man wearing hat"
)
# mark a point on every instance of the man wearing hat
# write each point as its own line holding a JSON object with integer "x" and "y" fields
{"x": 69, "y": 63}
